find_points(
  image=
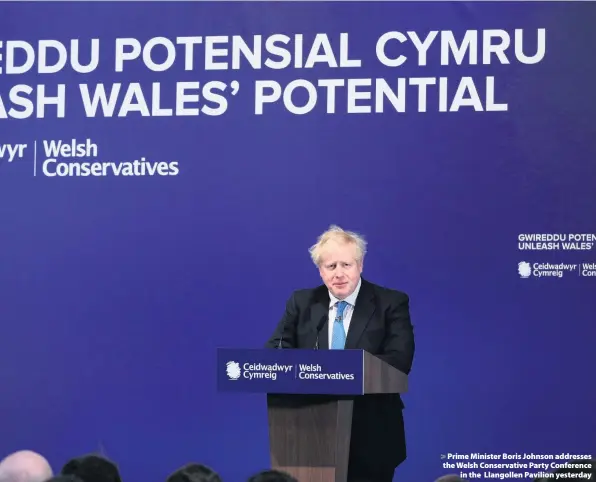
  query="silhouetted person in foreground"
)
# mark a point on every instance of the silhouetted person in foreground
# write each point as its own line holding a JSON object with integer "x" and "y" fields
{"x": 194, "y": 473}
{"x": 64, "y": 478}
{"x": 25, "y": 466}
{"x": 92, "y": 468}
{"x": 450, "y": 478}
{"x": 272, "y": 476}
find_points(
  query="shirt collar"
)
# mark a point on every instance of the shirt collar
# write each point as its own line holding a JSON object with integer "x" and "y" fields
{"x": 351, "y": 300}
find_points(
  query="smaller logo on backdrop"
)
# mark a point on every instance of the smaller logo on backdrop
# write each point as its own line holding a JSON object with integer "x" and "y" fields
{"x": 555, "y": 270}
{"x": 233, "y": 370}
{"x": 524, "y": 269}
{"x": 79, "y": 158}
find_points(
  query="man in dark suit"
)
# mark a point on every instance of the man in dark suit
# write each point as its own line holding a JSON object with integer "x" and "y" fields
{"x": 353, "y": 313}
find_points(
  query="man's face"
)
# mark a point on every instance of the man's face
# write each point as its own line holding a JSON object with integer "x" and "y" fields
{"x": 339, "y": 269}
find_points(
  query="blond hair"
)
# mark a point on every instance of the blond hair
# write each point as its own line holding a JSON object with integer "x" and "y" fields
{"x": 335, "y": 233}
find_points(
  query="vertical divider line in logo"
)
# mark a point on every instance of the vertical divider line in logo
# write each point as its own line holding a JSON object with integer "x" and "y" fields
{"x": 34, "y": 158}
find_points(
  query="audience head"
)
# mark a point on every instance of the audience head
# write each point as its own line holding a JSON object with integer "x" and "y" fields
{"x": 25, "y": 466}
{"x": 272, "y": 476}
{"x": 92, "y": 468}
{"x": 64, "y": 478}
{"x": 194, "y": 473}
{"x": 450, "y": 478}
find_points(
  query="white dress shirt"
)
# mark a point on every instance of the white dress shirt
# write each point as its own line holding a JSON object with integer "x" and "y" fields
{"x": 351, "y": 300}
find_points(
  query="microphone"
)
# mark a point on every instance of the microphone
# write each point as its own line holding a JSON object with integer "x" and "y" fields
{"x": 281, "y": 336}
{"x": 319, "y": 328}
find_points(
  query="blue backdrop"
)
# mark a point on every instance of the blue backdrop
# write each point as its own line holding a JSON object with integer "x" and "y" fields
{"x": 116, "y": 291}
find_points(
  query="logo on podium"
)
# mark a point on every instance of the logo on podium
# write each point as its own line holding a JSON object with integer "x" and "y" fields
{"x": 233, "y": 370}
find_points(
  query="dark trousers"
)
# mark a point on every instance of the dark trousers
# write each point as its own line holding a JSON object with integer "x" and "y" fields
{"x": 377, "y": 444}
{"x": 355, "y": 474}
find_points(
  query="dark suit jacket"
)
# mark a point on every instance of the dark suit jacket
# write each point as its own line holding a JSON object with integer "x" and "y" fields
{"x": 380, "y": 325}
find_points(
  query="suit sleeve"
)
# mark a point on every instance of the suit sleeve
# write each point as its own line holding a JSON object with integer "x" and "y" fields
{"x": 286, "y": 328}
{"x": 398, "y": 347}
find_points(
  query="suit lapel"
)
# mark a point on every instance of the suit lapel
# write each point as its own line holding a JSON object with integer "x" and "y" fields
{"x": 363, "y": 311}
{"x": 320, "y": 311}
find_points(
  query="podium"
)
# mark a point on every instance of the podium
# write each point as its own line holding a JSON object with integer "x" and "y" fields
{"x": 310, "y": 397}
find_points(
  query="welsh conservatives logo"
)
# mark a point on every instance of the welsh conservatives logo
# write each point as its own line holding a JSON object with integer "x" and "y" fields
{"x": 75, "y": 158}
{"x": 549, "y": 270}
{"x": 263, "y": 370}
{"x": 233, "y": 370}
{"x": 524, "y": 269}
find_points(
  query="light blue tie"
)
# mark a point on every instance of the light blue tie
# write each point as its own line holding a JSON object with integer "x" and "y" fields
{"x": 338, "y": 339}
